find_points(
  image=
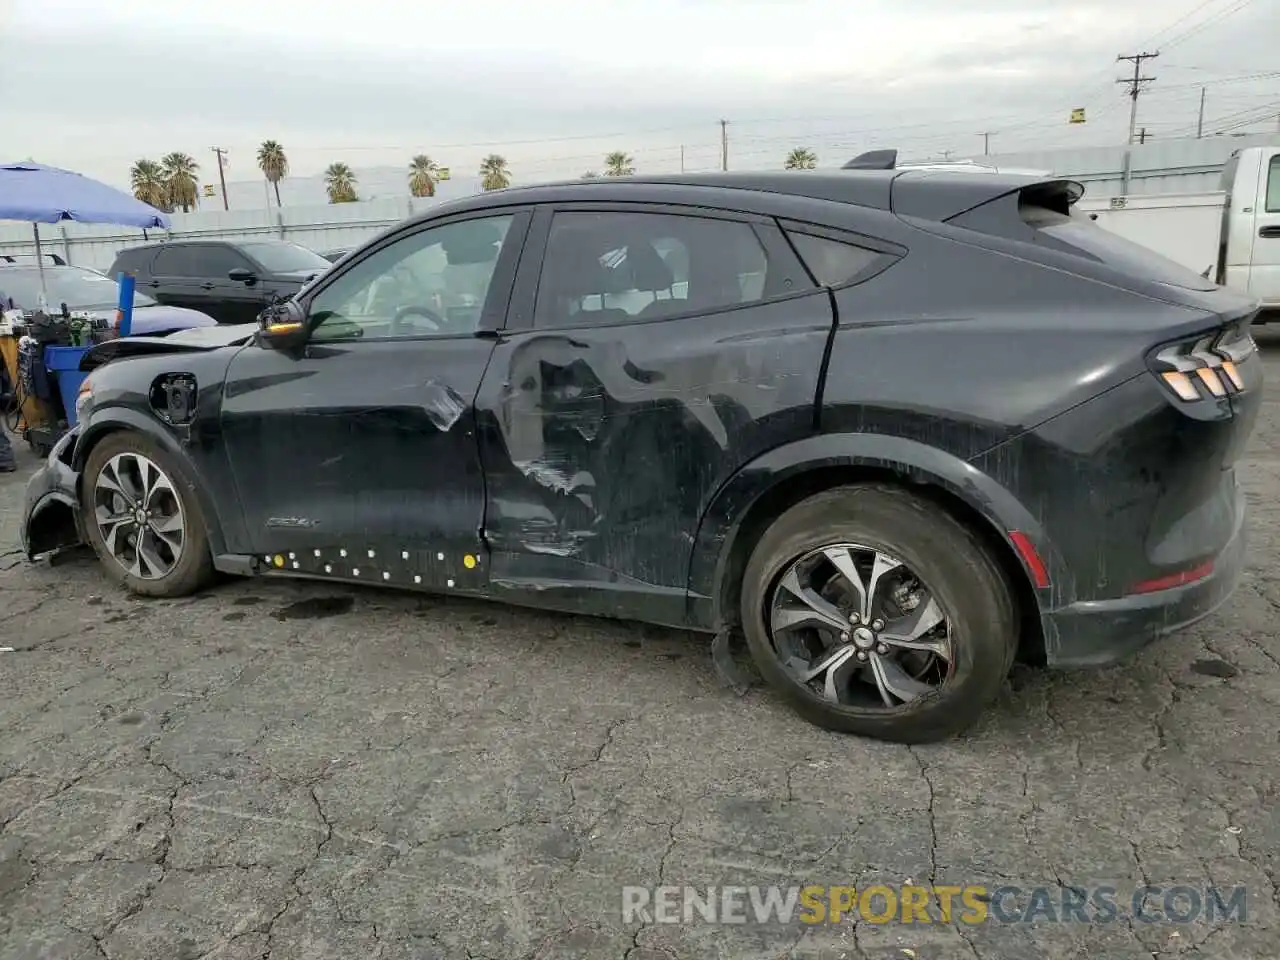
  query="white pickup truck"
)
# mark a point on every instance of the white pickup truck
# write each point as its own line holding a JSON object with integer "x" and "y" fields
{"x": 1231, "y": 235}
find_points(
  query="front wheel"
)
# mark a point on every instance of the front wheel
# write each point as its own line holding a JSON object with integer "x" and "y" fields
{"x": 143, "y": 519}
{"x": 875, "y": 612}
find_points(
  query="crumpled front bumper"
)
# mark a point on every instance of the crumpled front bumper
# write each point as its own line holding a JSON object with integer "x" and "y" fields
{"x": 51, "y": 509}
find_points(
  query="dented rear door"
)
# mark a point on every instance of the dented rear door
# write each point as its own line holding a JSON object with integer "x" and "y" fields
{"x": 651, "y": 351}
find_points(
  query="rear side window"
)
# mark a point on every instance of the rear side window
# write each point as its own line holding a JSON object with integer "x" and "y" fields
{"x": 603, "y": 268}
{"x": 1273, "y": 185}
{"x": 132, "y": 261}
{"x": 832, "y": 262}
{"x": 177, "y": 261}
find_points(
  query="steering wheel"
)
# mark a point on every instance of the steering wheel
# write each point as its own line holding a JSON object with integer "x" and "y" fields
{"x": 399, "y": 328}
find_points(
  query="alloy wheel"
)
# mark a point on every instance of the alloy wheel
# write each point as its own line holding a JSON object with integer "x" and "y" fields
{"x": 139, "y": 516}
{"x": 858, "y": 628}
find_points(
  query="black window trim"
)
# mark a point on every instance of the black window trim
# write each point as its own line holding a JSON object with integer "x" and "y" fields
{"x": 890, "y": 253}
{"x": 493, "y": 316}
{"x": 525, "y": 294}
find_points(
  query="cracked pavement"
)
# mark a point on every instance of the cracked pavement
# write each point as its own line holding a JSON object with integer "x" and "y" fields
{"x": 272, "y": 771}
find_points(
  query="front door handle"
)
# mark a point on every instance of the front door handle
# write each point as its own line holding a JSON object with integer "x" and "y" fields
{"x": 206, "y": 286}
{"x": 1272, "y": 232}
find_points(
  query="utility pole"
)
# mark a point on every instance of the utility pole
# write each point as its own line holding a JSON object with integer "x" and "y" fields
{"x": 222, "y": 176}
{"x": 986, "y": 144}
{"x": 1142, "y": 135}
{"x": 682, "y": 158}
{"x": 1135, "y": 85}
{"x": 724, "y": 144}
{"x": 1200, "y": 122}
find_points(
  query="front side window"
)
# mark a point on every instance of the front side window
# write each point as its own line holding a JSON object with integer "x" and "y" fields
{"x": 613, "y": 267}
{"x": 429, "y": 284}
{"x": 280, "y": 256}
{"x": 1273, "y": 185}
{"x": 214, "y": 262}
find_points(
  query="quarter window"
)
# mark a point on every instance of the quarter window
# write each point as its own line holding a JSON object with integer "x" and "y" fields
{"x": 433, "y": 283}
{"x": 605, "y": 268}
{"x": 832, "y": 262}
{"x": 1273, "y": 185}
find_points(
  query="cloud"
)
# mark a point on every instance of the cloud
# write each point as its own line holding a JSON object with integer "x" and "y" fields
{"x": 555, "y": 85}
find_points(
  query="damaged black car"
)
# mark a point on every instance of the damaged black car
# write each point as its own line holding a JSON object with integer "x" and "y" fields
{"x": 898, "y": 428}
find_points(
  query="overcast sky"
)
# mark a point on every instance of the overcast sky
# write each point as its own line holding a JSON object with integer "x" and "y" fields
{"x": 94, "y": 85}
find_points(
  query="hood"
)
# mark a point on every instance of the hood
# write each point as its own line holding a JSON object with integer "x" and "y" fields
{"x": 193, "y": 340}
{"x": 301, "y": 276}
{"x": 159, "y": 318}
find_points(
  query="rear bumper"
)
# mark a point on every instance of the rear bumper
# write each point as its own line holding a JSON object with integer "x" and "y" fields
{"x": 1095, "y": 633}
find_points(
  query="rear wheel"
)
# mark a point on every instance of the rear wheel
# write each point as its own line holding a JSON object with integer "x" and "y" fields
{"x": 877, "y": 613}
{"x": 143, "y": 518}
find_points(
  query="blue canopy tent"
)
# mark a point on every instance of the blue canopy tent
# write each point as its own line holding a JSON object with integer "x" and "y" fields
{"x": 39, "y": 194}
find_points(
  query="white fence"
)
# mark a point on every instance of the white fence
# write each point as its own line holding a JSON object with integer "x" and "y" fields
{"x": 322, "y": 227}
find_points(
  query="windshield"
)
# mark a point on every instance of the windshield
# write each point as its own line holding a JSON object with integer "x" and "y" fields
{"x": 283, "y": 257}
{"x": 78, "y": 288}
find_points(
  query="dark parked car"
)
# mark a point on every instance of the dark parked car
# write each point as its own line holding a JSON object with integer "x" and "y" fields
{"x": 900, "y": 428}
{"x": 87, "y": 291}
{"x": 231, "y": 280}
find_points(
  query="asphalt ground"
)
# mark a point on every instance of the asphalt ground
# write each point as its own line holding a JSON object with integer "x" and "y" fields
{"x": 305, "y": 771}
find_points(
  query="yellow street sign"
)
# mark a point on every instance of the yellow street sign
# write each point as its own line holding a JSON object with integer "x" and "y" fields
{"x": 1077, "y": 115}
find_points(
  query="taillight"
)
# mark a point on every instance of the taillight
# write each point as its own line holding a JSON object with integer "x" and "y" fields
{"x": 1205, "y": 369}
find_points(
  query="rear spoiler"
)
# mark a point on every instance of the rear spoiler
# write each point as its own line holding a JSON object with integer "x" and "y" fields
{"x": 873, "y": 160}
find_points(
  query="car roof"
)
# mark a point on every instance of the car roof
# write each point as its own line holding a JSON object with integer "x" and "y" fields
{"x": 923, "y": 193}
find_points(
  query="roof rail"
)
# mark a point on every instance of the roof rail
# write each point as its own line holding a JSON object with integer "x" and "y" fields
{"x": 873, "y": 160}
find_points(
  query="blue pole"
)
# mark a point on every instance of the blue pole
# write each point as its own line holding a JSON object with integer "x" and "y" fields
{"x": 124, "y": 307}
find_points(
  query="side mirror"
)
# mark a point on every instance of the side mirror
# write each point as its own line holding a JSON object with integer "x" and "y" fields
{"x": 283, "y": 326}
{"x": 243, "y": 275}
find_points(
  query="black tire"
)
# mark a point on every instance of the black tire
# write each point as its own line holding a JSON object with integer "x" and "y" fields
{"x": 194, "y": 566}
{"x": 966, "y": 581}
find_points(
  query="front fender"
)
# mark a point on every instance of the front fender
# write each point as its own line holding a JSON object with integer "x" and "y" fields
{"x": 105, "y": 420}
{"x": 912, "y": 461}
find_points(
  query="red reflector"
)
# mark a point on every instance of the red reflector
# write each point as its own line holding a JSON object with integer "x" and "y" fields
{"x": 1173, "y": 579}
{"x": 1029, "y": 556}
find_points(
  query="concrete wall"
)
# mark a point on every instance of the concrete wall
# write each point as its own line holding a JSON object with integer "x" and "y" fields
{"x": 320, "y": 227}
{"x": 1159, "y": 168}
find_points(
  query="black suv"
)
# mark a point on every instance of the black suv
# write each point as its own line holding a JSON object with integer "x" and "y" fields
{"x": 230, "y": 280}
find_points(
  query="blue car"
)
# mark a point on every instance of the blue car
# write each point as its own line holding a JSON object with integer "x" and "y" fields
{"x": 87, "y": 291}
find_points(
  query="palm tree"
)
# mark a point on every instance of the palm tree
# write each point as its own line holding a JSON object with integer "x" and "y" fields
{"x": 149, "y": 186}
{"x": 618, "y": 164}
{"x": 801, "y": 159}
{"x": 423, "y": 173}
{"x": 340, "y": 183}
{"x": 180, "y": 177}
{"x": 494, "y": 174}
{"x": 274, "y": 164}
{"x": 590, "y": 175}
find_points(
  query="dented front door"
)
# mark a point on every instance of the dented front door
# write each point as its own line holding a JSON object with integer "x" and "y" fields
{"x": 357, "y": 457}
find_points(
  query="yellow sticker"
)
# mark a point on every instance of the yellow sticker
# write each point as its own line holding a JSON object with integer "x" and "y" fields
{"x": 278, "y": 560}
{"x": 469, "y": 562}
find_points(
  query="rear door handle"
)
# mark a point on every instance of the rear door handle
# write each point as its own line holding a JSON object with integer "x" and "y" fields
{"x": 206, "y": 286}
{"x": 1273, "y": 232}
